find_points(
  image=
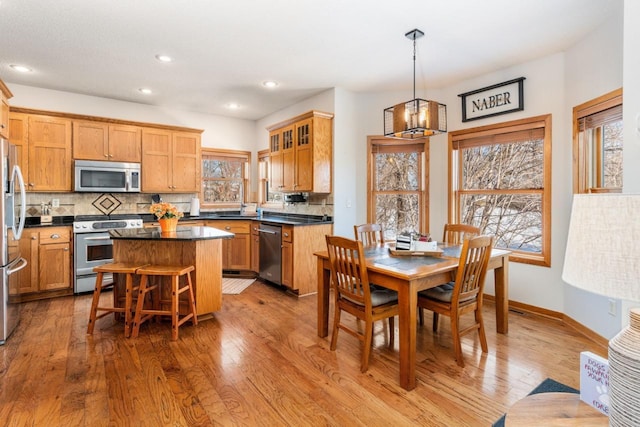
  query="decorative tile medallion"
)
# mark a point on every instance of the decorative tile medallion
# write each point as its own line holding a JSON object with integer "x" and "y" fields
{"x": 106, "y": 203}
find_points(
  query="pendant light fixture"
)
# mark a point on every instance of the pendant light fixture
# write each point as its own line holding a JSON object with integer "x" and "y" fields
{"x": 418, "y": 118}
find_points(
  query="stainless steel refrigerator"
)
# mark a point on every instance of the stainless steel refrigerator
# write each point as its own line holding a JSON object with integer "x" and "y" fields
{"x": 12, "y": 215}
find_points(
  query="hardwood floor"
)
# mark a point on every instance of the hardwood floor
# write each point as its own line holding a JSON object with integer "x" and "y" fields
{"x": 259, "y": 361}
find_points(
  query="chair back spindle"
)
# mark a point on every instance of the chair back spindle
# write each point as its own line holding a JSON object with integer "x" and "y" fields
{"x": 369, "y": 234}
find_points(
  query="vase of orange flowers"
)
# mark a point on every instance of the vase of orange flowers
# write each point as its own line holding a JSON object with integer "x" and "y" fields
{"x": 168, "y": 216}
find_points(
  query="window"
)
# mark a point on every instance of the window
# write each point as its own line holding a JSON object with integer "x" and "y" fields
{"x": 501, "y": 183}
{"x": 398, "y": 198}
{"x": 264, "y": 195}
{"x": 225, "y": 177}
{"x": 597, "y": 145}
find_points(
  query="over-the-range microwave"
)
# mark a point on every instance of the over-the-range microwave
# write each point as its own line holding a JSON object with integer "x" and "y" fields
{"x": 101, "y": 177}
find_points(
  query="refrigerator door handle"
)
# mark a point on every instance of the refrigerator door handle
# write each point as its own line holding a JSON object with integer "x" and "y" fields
{"x": 17, "y": 173}
{"x": 16, "y": 266}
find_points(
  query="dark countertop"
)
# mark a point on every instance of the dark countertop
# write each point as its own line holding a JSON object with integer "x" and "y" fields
{"x": 34, "y": 221}
{"x": 267, "y": 217}
{"x": 185, "y": 233}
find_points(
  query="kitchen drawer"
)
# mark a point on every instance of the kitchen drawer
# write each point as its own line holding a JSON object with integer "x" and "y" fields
{"x": 233, "y": 226}
{"x": 55, "y": 235}
{"x": 287, "y": 234}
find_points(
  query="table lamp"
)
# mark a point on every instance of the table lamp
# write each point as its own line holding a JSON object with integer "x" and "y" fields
{"x": 603, "y": 256}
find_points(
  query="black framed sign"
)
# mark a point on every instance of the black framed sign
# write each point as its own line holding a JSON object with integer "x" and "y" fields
{"x": 493, "y": 100}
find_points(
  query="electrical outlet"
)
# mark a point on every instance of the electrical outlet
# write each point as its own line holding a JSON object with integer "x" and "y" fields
{"x": 612, "y": 307}
{"x": 55, "y": 203}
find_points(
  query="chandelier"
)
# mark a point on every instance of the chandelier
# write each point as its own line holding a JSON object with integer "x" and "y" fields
{"x": 418, "y": 118}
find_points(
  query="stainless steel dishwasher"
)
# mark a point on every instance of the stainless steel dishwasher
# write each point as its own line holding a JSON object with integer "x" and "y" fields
{"x": 270, "y": 253}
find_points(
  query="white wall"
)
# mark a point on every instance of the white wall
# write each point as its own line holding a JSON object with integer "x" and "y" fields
{"x": 346, "y": 146}
{"x": 631, "y": 112}
{"x": 588, "y": 77}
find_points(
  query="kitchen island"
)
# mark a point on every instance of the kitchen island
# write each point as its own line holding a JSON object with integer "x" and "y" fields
{"x": 197, "y": 246}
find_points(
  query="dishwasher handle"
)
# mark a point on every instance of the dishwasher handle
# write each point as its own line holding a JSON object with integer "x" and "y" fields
{"x": 262, "y": 230}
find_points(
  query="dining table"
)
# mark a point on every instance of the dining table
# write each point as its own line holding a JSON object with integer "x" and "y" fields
{"x": 408, "y": 275}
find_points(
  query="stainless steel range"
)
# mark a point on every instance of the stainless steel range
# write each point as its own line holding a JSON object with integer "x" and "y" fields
{"x": 93, "y": 246}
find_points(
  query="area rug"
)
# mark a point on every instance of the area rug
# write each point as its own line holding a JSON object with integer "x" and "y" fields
{"x": 546, "y": 386}
{"x": 233, "y": 286}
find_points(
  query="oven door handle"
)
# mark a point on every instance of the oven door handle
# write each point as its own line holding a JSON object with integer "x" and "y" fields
{"x": 98, "y": 238}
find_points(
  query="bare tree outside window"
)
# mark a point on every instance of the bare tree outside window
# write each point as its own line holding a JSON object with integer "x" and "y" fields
{"x": 597, "y": 144}
{"x": 502, "y": 185}
{"x": 398, "y": 196}
{"x": 224, "y": 177}
{"x": 612, "y": 154}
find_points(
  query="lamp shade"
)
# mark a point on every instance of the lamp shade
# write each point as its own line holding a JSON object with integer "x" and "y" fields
{"x": 418, "y": 118}
{"x": 603, "y": 245}
{"x": 603, "y": 256}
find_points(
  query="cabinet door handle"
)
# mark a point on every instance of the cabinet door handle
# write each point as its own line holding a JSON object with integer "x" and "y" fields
{"x": 286, "y": 234}
{"x": 55, "y": 236}
{"x": 34, "y": 238}
{"x": 66, "y": 249}
{"x": 227, "y": 228}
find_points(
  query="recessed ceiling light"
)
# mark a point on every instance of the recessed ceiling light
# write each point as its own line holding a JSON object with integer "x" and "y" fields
{"x": 269, "y": 84}
{"x": 233, "y": 106}
{"x": 145, "y": 90}
{"x": 164, "y": 58}
{"x": 21, "y": 68}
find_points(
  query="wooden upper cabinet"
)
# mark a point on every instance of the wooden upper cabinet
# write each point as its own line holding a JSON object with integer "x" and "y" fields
{"x": 187, "y": 162}
{"x": 109, "y": 142}
{"x": 170, "y": 161}
{"x": 125, "y": 143}
{"x": 90, "y": 140}
{"x": 49, "y": 144}
{"x": 18, "y": 136}
{"x": 275, "y": 161}
{"x": 303, "y": 159}
{"x": 282, "y": 159}
{"x": 156, "y": 161}
{"x": 5, "y": 94}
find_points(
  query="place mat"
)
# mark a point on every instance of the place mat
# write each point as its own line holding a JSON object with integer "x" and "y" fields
{"x": 409, "y": 261}
{"x": 233, "y": 286}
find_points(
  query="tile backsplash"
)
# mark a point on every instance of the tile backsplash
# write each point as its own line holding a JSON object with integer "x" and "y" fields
{"x": 72, "y": 204}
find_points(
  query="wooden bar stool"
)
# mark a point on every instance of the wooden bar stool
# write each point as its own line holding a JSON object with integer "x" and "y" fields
{"x": 175, "y": 272}
{"x": 128, "y": 269}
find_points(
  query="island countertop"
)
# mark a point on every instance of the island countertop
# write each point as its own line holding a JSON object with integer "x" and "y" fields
{"x": 183, "y": 233}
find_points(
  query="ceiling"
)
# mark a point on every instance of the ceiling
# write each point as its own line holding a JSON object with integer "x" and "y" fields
{"x": 224, "y": 49}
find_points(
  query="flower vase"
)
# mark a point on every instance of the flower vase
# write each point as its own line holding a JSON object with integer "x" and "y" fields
{"x": 168, "y": 225}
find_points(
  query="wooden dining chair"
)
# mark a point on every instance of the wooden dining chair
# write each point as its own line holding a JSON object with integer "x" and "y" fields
{"x": 369, "y": 234}
{"x": 354, "y": 294}
{"x": 456, "y": 233}
{"x": 464, "y": 295}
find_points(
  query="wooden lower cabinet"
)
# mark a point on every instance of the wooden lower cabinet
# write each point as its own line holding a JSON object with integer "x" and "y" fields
{"x": 298, "y": 262}
{"x": 255, "y": 247}
{"x": 287, "y": 256}
{"x": 236, "y": 252}
{"x": 49, "y": 257}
